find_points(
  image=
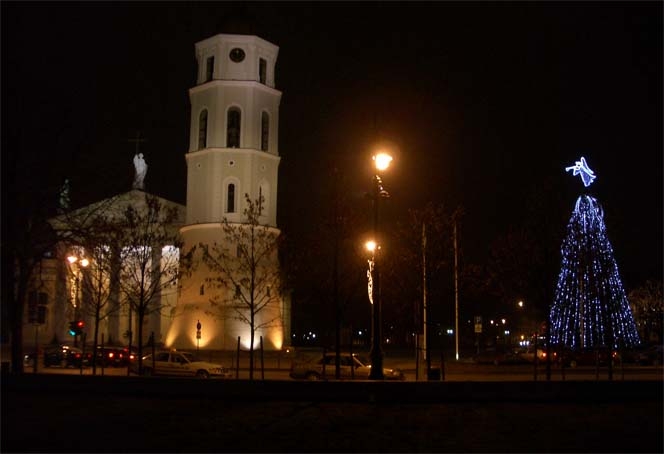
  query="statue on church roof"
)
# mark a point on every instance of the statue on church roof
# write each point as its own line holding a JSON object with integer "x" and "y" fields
{"x": 141, "y": 169}
{"x": 64, "y": 200}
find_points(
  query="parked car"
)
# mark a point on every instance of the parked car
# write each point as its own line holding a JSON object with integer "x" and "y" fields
{"x": 529, "y": 356}
{"x": 589, "y": 357}
{"x": 352, "y": 366}
{"x": 66, "y": 356}
{"x": 109, "y": 356}
{"x": 499, "y": 357}
{"x": 183, "y": 364}
{"x": 651, "y": 356}
{"x": 28, "y": 360}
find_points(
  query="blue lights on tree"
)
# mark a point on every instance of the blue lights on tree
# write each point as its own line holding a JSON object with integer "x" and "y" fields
{"x": 590, "y": 308}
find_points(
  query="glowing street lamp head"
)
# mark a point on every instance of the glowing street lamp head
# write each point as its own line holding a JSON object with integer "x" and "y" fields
{"x": 382, "y": 160}
{"x": 370, "y": 245}
{"x": 82, "y": 262}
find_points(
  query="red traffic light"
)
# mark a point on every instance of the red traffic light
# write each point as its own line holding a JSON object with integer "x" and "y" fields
{"x": 76, "y": 327}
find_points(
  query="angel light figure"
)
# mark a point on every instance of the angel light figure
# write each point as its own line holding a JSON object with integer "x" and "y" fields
{"x": 581, "y": 168}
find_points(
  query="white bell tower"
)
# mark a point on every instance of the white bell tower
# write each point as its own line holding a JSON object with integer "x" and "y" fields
{"x": 233, "y": 151}
{"x": 233, "y": 144}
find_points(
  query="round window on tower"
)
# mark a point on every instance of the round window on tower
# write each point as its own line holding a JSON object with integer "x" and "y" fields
{"x": 231, "y": 163}
{"x": 237, "y": 55}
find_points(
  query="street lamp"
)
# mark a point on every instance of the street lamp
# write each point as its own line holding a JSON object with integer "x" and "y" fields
{"x": 382, "y": 160}
{"x": 535, "y": 339}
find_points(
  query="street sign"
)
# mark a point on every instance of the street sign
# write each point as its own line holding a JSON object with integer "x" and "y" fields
{"x": 478, "y": 324}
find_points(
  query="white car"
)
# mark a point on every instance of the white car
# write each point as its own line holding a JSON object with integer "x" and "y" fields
{"x": 351, "y": 367}
{"x": 182, "y": 364}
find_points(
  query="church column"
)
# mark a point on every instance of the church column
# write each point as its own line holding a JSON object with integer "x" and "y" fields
{"x": 156, "y": 305}
{"x": 114, "y": 334}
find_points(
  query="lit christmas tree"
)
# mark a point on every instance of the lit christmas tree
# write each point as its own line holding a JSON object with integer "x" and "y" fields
{"x": 590, "y": 308}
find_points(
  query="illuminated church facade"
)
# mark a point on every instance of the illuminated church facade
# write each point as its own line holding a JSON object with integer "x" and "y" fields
{"x": 233, "y": 154}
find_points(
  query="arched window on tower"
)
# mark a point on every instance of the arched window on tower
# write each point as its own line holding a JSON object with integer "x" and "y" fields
{"x": 202, "y": 129}
{"x": 209, "y": 69}
{"x": 230, "y": 198}
{"x": 261, "y": 200}
{"x": 233, "y": 128}
{"x": 262, "y": 71}
{"x": 265, "y": 131}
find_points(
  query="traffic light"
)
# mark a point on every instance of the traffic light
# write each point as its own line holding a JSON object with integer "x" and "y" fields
{"x": 76, "y": 327}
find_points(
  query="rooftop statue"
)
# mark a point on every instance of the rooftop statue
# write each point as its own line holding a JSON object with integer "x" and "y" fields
{"x": 141, "y": 169}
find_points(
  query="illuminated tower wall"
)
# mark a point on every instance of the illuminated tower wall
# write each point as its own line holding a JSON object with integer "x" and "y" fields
{"x": 590, "y": 307}
{"x": 233, "y": 151}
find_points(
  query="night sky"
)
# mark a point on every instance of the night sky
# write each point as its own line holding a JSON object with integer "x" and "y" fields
{"x": 487, "y": 101}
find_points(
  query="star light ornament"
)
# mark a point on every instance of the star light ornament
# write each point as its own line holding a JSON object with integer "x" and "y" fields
{"x": 581, "y": 168}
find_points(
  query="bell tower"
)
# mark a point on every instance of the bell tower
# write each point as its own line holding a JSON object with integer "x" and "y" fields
{"x": 233, "y": 153}
{"x": 233, "y": 144}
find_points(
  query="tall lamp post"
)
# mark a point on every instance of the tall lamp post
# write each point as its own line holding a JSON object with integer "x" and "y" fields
{"x": 382, "y": 160}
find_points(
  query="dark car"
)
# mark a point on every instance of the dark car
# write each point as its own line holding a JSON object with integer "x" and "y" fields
{"x": 29, "y": 360}
{"x": 108, "y": 356}
{"x": 589, "y": 357}
{"x": 66, "y": 356}
{"x": 498, "y": 357}
{"x": 651, "y": 356}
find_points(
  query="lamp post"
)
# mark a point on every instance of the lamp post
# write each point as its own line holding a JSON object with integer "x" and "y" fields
{"x": 382, "y": 160}
{"x": 520, "y": 304}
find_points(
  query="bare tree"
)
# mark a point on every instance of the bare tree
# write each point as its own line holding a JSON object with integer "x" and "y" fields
{"x": 404, "y": 266}
{"x": 246, "y": 270}
{"x": 647, "y": 306}
{"x": 150, "y": 260}
{"x": 101, "y": 278}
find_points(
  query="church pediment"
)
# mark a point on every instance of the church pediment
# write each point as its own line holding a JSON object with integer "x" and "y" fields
{"x": 114, "y": 209}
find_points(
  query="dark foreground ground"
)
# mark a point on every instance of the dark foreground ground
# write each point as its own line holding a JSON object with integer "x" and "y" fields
{"x": 91, "y": 414}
